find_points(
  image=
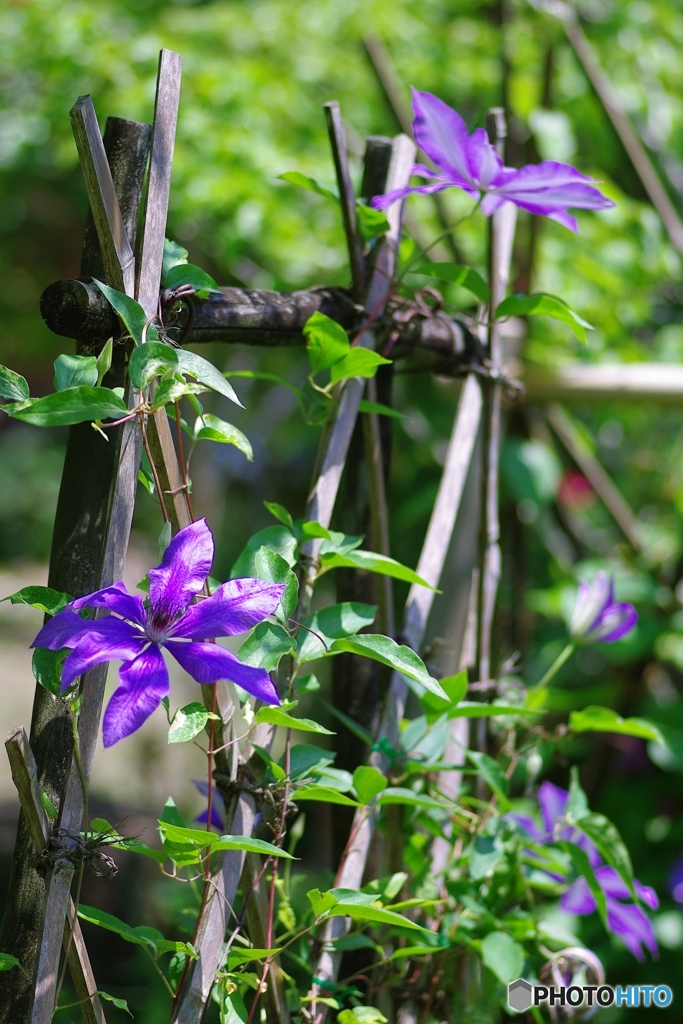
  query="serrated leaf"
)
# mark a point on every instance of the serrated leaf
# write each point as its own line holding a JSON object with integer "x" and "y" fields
{"x": 64, "y": 408}
{"x": 326, "y": 342}
{"x": 599, "y": 719}
{"x": 265, "y": 646}
{"x": 45, "y": 599}
{"x": 388, "y": 652}
{"x": 207, "y": 374}
{"x": 464, "y": 276}
{"x": 323, "y": 795}
{"x": 310, "y": 184}
{"x": 275, "y": 538}
{"x": 212, "y": 428}
{"x": 187, "y": 273}
{"x": 188, "y": 722}
{"x": 373, "y": 561}
{"x": 14, "y": 387}
{"x": 503, "y": 956}
{"x": 72, "y": 371}
{"x": 541, "y": 304}
{"x": 174, "y": 254}
{"x": 368, "y": 783}
{"x": 272, "y": 568}
{"x": 129, "y": 312}
{"x": 359, "y": 362}
{"x": 275, "y": 716}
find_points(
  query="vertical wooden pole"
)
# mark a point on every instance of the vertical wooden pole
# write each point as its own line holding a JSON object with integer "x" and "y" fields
{"x": 92, "y": 525}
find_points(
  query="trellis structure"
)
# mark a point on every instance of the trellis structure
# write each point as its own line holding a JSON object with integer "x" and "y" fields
{"x": 96, "y": 503}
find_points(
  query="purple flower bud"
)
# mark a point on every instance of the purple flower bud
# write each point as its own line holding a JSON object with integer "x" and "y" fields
{"x": 597, "y": 616}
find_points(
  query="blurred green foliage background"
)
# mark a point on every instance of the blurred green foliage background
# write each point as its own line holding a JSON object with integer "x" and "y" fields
{"x": 255, "y": 76}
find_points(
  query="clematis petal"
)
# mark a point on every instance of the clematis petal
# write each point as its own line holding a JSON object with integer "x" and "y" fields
{"x": 527, "y": 824}
{"x": 144, "y": 684}
{"x": 207, "y": 663}
{"x": 106, "y": 639}
{"x": 442, "y": 134}
{"x": 183, "y": 571}
{"x": 552, "y": 801}
{"x": 382, "y": 202}
{"x": 578, "y": 898}
{"x": 483, "y": 162}
{"x": 234, "y": 608}
{"x": 63, "y": 630}
{"x": 552, "y": 185}
{"x": 117, "y": 599}
{"x": 592, "y": 600}
{"x": 633, "y": 927}
{"x": 613, "y": 885}
{"x": 615, "y": 622}
{"x": 217, "y": 806}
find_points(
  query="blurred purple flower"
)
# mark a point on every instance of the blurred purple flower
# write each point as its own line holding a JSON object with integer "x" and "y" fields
{"x": 596, "y": 615}
{"x": 627, "y": 920}
{"x": 675, "y": 883}
{"x": 217, "y": 806}
{"x": 472, "y": 164}
{"x": 138, "y": 630}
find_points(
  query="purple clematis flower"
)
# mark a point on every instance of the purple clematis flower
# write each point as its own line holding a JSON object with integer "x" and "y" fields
{"x": 596, "y": 615}
{"x": 217, "y": 806}
{"x": 472, "y": 164}
{"x": 138, "y": 629}
{"x": 627, "y": 920}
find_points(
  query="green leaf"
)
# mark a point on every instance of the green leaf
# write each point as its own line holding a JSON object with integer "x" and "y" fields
{"x": 372, "y": 223}
{"x": 48, "y": 806}
{"x": 381, "y": 410}
{"x": 503, "y": 956}
{"x": 361, "y": 1015}
{"x": 103, "y": 361}
{"x": 199, "y": 838}
{"x": 376, "y": 915}
{"x": 354, "y": 727}
{"x": 321, "y": 901}
{"x": 610, "y": 845}
{"x": 207, "y": 374}
{"x": 272, "y": 568}
{"x": 480, "y": 709}
{"x": 323, "y": 795}
{"x": 265, "y": 646}
{"x": 129, "y": 312}
{"x": 326, "y": 342}
{"x": 112, "y": 924}
{"x": 599, "y": 719}
{"x": 280, "y": 513}
{"x": 45, "y": 599}
{"x": 120, "y": 1004}
{"x": 47, "y": 668}
{"x": 485, "y": 852}
{"x": 388, "y": 652}
{"x": 237, "y": 957}
{"x": 401, "y": 795}
{"x": 307, "y": 684}
{"x": 310, "y": 184}
{"x": 332, "y": 623}
{"x": 73, "y": 371}
{"x": 492, "y": 774}
{"x": 174, "y": 255}
{"x": 541, "y": 304}
{"x": 455, "y": 688}
{"x": 368, "y": 783}
{"x": 275, "y": 716}
{"x": 359, "y": 362}
{"x": 15, "y": 387}
{"x": 188, "y": 722}
{"x": 275, "y": 538}
{"x": 373, "y": 562}
{"x": 64, "y": 408}
{"x": 135, "y": 846}
{"x": 250, "y": 845}
{"x": 212, "y": 428}
{"x": 7, "y": 962}
{"x": 171, "y": 389}
{"x": 577, "y": 805}
{"x": 582, "y": 866}
{"x": 151, "y": 360}
{"x": 464, "y": 276}
{"x": 187, "y": 273}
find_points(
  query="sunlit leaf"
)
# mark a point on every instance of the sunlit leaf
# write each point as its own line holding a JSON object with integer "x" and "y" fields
{"x": 599, "y": 719}
{"x": 265, "y": 646}
{"x": 64, "y": 408}
{"x": 371, "y": 223}
{"x": 212, "y": 428}
{"x": 326, "y": 341}
{"x": 272, "y": 568}
{"x": 310, "y": 184}
{"x": 541, "y": 304}
{"x": 207, "y": 374}
{"x": 381, "y": 410}
{"x": 187, "y": 273}
{"x": 7, "y": 962}
{"x": 280, "y": 513}
{"x": 463, "y": 276}
{"x": 275, "y": 716}
{"x": 332, "y": 623}
{"x": 373, "y": 562}
{"x": 151, "y": 360}
{"x": 129, "y": 312}
{"x": 14, "y": 387}
{"x": 45, "y": 599}
{"x": 47, "y": 668}
{"x": 502, "y": 955}
{"x": 388, "y": 652}
{"x": 72, "y": 371}
{"x": 358, "y": 362}
{"x": 275, "y": 538}
{"x": 324, "y": 795}
{"x": 368, "y": 783}
{"x": 174, "y": 255}
{"x": 188, "y": 722}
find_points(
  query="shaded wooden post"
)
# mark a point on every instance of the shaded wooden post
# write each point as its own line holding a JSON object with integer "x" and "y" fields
{"x": 90, "y": 538}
